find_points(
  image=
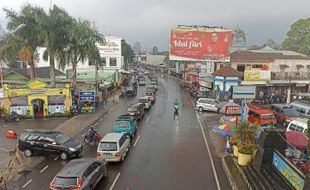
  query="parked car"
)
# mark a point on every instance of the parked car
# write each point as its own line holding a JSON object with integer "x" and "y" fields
{"x": 298, "y": 125}
{"x": 136, "y": 110}
{"x": 207, "y": 104}
{"x": 302, "y": 107}
{"x": 48, "y": 142}
{"x": 80, "y": 174}
{"x": 284, "y": 113}
{"x": 261, "y": 116}
{"x": 151, "y": 95}
{"x": 146, "y": 102}
{"x": 113, "y": 147}
{"x": 125, "y": 124}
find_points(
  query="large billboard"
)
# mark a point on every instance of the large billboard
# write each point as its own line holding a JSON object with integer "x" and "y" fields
{"x": 200, "y": 44}
{"x": 257, "y": 75}
{"x": 111, "y": 47}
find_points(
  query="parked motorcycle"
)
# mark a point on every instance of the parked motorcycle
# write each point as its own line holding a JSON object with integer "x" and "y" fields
{"x": 13, "y": 117}
{"x": 75, "y": 109}
{"x": 87, "y": 139}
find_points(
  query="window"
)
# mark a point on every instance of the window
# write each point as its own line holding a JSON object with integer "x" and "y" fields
{"x": 301, "y": 110}
{"x": 65, "y": 182}
{"x": 107, "y": 146}
{"x": 122, "y": 140}
{"x": 300, "y": 129}
{"x": 240, "y": 68}
{"x": 292, "y": 127}
{"x": 104, "y": 61}
{"x": 112, "y": 62}
{"x": 91, "y": 63}
{"x": 257, "y": 66}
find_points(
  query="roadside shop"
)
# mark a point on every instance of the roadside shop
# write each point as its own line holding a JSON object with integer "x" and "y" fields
{"x": 37, "y": 100}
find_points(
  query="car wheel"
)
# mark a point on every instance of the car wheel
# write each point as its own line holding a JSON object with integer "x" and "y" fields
{"x": 63, "y": 156}
{"x": 28, "y": 153}
{"x": 200, "y": 109}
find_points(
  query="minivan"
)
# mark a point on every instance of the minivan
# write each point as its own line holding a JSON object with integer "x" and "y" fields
{"x": 302, "y": 107}
{"x": 113, "y": 147}
{"x": 125, "y": 124}
{"x": 298, "y": 125}
{"x": 284, "y": 113}
{"x": 207, "y": 104}
{"x": 151, "y": 95}
{"x": 146, "y": 102}
{"x": 136, "y": 110}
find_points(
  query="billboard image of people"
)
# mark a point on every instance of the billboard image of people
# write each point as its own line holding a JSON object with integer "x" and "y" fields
{"x": 200, "y": 44}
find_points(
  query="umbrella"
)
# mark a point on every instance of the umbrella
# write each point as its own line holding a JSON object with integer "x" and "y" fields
{"x": 296, "y": 138}
{"x": 223, "y": 130}
{"x": 233, "y": 109}
{"x": 230, "y": 119}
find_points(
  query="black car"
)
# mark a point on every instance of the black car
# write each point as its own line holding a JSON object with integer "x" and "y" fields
{"x": 80, "y": 174}
{"x": 48, "y": 142}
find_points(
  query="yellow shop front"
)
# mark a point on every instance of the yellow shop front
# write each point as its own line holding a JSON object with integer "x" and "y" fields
{"x": 37, "y": 101}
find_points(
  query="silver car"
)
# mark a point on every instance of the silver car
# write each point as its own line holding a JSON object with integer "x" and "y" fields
{"x": 207, "y": 104}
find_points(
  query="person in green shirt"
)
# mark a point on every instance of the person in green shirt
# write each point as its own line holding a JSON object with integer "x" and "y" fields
{"x": 176, "y": 105}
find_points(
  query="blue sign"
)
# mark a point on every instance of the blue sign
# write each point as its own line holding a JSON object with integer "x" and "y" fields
{"x": 87, "y": 96}
{"x": 289, "y": 172}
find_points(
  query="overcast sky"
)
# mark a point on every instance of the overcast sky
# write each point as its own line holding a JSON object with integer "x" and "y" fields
{"x": 148, "y": 21}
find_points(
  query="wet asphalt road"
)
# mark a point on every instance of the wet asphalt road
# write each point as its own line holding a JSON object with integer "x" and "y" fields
{"x": 167, "y": 153}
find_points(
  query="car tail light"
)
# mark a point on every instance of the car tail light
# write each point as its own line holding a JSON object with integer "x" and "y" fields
{"x": 79, "y": 183}
{"x": 98, "y": 154}
{"x": 138, "y": 112}
{"x": 117, "y": 154}
{"x": 52, "y": 186}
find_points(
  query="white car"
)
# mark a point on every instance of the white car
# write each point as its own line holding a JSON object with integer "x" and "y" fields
{"x": 207, "y": 104}
{"x": 146, "y": 101}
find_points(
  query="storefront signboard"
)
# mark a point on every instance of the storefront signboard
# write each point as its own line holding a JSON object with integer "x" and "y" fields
{"x": 36, "y": 84}
{"x": 244, "y": 92}
{"x": 233, "y": 110}
{"x": 200, "y": 44}
{"x": 288, "y": 171}
{"x": 87, "y": 96}
{"x": 257, "y": 75}
{"x": 87, "y": 101}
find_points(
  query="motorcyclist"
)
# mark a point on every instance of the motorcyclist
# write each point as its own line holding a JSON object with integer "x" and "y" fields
{"x": 92, "y": 134}
{"x": 176, "y": 105}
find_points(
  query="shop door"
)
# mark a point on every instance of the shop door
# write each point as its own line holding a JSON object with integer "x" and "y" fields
{"x": 38, "y": 108}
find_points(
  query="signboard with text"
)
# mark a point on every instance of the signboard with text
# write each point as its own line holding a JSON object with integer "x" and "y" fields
{"x": 256, "y": 75}
{"x": 288, "y": 171}
{"x": 111, "y": 47}
{"x": 200, "y": 44}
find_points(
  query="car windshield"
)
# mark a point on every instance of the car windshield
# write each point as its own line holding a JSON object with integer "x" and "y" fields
{"x": 62, "y": 138}
{"x": 65, "y": 181}
{"x": 107, "y": 146}
{"x": 121, "y": 124}
{"x": 291, "y": 113}
{"x": 132, "y": 109}
{"x": 268, "y": 116}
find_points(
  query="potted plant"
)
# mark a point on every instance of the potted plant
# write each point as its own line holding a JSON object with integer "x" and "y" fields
{"x": 234, "y": 140}
{"x": 246, "y": 145}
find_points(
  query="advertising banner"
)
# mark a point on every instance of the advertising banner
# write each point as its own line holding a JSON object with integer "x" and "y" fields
{"x": 257, "y": 75}
{"x": 200, "y": 44}
{"x": 289, "y": 172}
{"x": 111, "y": 47}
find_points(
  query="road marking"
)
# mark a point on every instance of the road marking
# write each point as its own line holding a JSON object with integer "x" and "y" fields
{"x": 6, "y": 150}
{"x": 148, "y": 118}
{"x": 137, "y": 140}
{"x": 114, "y": 182}
{"x": 56, "y": 158}
{"x": 44, "y": 169}
{"x": 209, "y": 153}
{"x": 26, "y": 184}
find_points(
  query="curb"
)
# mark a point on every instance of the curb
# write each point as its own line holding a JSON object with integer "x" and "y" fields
{"x": 228, "y": 174}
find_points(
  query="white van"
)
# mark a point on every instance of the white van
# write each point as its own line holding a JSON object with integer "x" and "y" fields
{"x": 302, "y": 107}
{"x": 298, "y": 125}
{"x": 113, "y": 147}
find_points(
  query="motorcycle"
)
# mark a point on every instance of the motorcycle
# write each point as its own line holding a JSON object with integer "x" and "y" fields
{"x": 97, "y": 139}
{"x": 75, "y": 109}
{"x": 176, "y": 110}
{"x": 12, "y": 117}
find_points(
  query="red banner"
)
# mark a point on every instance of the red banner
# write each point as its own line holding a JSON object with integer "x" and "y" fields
{"x": 200, "y": 45}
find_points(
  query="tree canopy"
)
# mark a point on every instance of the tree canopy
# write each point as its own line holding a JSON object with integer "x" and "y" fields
{"x": 298, "y": 37}
{"x": 239, "y": 36}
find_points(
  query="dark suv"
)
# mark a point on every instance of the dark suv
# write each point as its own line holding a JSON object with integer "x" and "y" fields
{"x": 284, "y": 113}
{"x": 48, "y": 142}
{"x": 80, "y": 174}
{"x": 136, "y": 110}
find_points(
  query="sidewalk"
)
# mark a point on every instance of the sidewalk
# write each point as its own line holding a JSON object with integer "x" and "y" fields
{"x": 72, "y": 127}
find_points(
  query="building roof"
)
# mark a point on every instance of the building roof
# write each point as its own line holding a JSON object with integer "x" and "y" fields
{"x": 41, "y": 72}
{"x": 227, "y": 71}
{"x": 261, "y": 55}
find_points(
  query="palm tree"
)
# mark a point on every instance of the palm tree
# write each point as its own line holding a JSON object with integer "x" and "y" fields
{"x": 56, "y": 26}
{"x": 83, "y": 39}
{"x": 24, "y": 44}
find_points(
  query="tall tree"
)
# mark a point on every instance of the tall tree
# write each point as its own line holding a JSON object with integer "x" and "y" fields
{"x": 239, "y": 36}
{"x": 24, "y": 44}
{"x": 56, "y": 25}
{"x": 127, "y": 52}
{"x": 298, "y": 37}
{"x": 83, "y": 40}
{"x": 155, "y": 50}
